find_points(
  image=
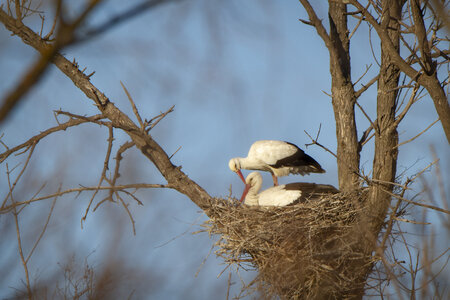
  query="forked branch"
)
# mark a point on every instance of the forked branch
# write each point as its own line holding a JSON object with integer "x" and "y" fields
{"x": 143, "y": 141}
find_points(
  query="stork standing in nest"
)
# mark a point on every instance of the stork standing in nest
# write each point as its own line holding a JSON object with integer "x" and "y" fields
{"x": 277, "y": 157}
{"x": 282, "y": 195}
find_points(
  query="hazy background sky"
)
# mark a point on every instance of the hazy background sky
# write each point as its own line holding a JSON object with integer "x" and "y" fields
{"x": 237, "y": 72}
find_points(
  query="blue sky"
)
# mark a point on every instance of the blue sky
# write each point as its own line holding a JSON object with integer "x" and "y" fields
{"x": 236, "y": 73}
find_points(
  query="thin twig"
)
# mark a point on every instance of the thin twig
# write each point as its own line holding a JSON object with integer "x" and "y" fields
{"x": 128, "y": 212}
{"x": 365, "y": 137}
{"x": 96, "y": 119}
{"x": 55, "y": 20}
{"x": 415, "y": 137}
{"x": 439, "y": 177}
{"x": 118, "y": 159}
{"x": 33, "y": 146}
{"x": 131, "y": 195}
{"x": 306, "y": 22}
{"x": 357, "y": 24}
{"x": 158, "y": 118}
{"x": 315, "y": 142}
{"x": 408, "y": 106}
{"x": 170, "y": 157}
{"x": 103, "y": 174}
{"x": 83, "y": 189}
{"x": 19, "y": 240}
{"x": 419, "y": 204}
{"x": 45, "y": 227}
{"x": 392, "y": 215}
{"x": 133, "y": 105}
{"x": 366, "y": 86}
{"x": 362, "y": 76}
{"x": 410, "y": 221}
{"x": 34, "y": 73}
{"x": 367, "y": 116}
{"x": 35, "y": 139}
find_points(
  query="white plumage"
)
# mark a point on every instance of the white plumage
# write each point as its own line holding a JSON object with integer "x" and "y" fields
{"x": 282, "y": 195}
{"x": 277, "y": 157}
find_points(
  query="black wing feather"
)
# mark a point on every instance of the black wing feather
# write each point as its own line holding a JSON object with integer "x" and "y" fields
{"x": 301, "y": 160}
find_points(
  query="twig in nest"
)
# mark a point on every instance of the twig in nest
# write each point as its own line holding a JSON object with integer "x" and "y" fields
{"x": 289, "y": 246}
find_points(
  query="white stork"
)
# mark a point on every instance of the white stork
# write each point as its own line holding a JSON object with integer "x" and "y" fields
{"x": 277, "y": 157}
{"x": 282, "y": 195}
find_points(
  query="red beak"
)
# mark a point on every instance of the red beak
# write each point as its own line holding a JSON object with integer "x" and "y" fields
{"x": 241, "y": 176}
{"x": 244, "y": 194}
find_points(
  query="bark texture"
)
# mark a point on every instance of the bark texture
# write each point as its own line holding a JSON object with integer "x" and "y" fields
{"x": 386, "y": 136}
{"x": 386, "y": 141}
{"x": 343, "y": 93}
{"x": 343, "y": 98}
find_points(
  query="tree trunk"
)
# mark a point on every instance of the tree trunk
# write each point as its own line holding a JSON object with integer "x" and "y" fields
{"x": 343, "y": 98}
{"x": 386, "y": 140}
{"x": 386, "y": 136}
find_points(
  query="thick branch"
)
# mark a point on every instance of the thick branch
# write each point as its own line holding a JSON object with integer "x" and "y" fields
{"x": 343, "y": 93}
{"x": 421, "y": 33}
{"x": 144, "y": 142}
{"x": 386, "y": 136}
{"x": 343, "y": 98}
{"x": 317, "y": 23}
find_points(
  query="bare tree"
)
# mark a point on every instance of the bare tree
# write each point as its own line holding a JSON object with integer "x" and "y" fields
{"x": 348, "y": 233}
{"x": 393, "y": 23}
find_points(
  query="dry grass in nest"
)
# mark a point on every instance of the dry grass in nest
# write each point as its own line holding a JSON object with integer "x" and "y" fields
{"x": 300, "y": 251}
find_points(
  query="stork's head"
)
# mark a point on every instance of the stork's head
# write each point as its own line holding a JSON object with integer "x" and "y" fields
{"x": 252, "y": 182}
{"x": 235, "y": 165}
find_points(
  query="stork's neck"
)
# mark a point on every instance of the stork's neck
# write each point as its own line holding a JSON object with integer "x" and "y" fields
{"x": 251, "y": 199}
{"x": 252, "y": 195}
{"x": 249, "y": 163}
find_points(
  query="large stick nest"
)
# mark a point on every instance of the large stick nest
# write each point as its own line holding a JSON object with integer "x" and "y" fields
{"x": 301, "y": 251}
